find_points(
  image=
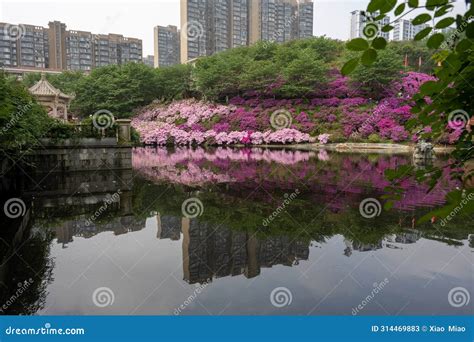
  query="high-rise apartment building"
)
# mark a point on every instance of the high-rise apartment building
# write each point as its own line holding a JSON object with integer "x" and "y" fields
{"x": 56, "y": 48}
{"x": 25, "y": 45}
{"x": 210, "y": 26}
{"x": 305, "y": 18}
{"x": 167, "y": 45}
{"x": 405, "y": 30}
{"x": 149, "y": 60}
{"x": 358, "y": 23}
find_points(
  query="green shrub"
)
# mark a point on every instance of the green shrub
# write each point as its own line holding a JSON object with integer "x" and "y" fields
{"x": 374, "y": 138}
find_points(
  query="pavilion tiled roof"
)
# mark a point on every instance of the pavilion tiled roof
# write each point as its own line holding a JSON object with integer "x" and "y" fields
{"x": 44, "y": 88}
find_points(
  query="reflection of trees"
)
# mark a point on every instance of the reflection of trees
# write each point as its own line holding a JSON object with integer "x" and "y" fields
{"x": 307, "y": 217}
{"x": 26, "y": 257}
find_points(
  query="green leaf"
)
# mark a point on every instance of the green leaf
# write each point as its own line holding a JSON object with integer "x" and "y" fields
{"x": 388, "y": 6}
{"x": 433, "y": 3}
{"x": 422, "y": 18}
{"x": 369, "y": 57}
{"x": 442, "y": 11}
{"x": 470, "y": 30}
{"x": 375, "y": 5}
{"x": 358, "y": 44}
{"x": 413, "y": 3}
{"x": 464, "y": 45}
{"x": 443, "y": 23}
{"x": 429, "y": 88}
{"x": 399, "y": 10}
{"x": 423, "y": 33}
{"x": 387, "y": 28}
{"x": 435, "y": 41}
{"x": 379, "y": 43}
{"x": 350, "y": 66}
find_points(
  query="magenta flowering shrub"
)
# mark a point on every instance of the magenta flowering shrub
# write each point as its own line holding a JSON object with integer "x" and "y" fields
{"x": 339, "y": 109}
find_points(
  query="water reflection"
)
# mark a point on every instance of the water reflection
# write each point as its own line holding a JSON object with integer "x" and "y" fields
{"x": 143, "y": 239}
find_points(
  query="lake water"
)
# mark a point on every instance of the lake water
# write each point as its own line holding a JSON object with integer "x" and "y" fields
{"x": 231, "y": 232}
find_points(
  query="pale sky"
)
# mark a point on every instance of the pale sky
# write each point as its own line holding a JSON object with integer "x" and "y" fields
{"x": 136, "y": 18}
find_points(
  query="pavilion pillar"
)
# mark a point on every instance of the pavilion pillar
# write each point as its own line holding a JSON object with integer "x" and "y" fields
{"x": 65, "y": 112}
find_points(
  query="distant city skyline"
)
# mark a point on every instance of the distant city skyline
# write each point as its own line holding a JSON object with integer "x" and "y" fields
{"x": 138, "y": 18}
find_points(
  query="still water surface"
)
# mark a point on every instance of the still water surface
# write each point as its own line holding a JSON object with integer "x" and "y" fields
{"x": 269, "y": 219}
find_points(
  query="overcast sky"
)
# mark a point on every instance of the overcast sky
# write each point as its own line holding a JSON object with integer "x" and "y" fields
{"x": 136, "y": 18}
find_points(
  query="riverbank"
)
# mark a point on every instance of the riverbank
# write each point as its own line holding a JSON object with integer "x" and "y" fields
{"x": 363, "y": 148}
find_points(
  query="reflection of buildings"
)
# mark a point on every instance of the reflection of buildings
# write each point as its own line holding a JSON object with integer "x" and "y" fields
{"x": 409, "y": 237}
{"x": 360, "y": 247}
{"x": 80, "y": 228}
{"x": 210, "y": 251}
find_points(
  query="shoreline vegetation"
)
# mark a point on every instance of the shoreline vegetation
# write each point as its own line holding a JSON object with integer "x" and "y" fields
{"x": 265, "y": 94}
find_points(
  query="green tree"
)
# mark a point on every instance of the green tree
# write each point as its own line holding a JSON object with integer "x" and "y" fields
{"x": 117, "y": 88}
{"x": 173, "y": 82}
{"x": 22, "y": 120}
{"x": 376, "y": 77}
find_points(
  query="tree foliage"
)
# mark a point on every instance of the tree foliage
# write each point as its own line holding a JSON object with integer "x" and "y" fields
{"x": 22, "y": 120}
{"x": 441, "y": 103}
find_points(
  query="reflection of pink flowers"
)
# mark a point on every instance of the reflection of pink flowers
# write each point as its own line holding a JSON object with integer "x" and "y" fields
{"x": 323, "y": 138}
{"x": 283, "y": 169}
{"x": 323, "y": 155}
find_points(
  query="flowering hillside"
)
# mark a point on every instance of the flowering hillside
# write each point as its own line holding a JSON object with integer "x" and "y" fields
{"x": 339, "y": 112}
